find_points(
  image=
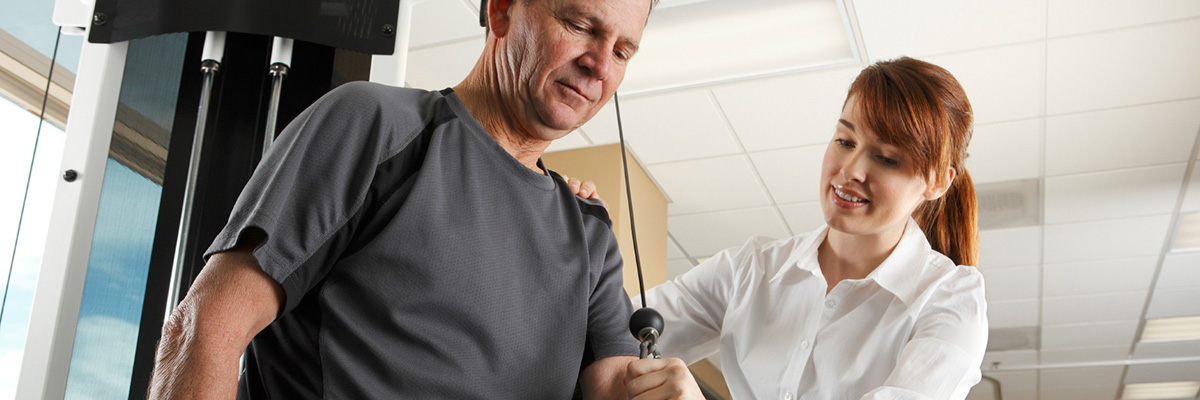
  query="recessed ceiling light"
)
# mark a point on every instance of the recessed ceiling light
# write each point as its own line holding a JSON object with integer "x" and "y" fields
{"x": 1171, "y": 329}
{"x": 1161, "y": 390}
{"x": 1187, "y": 234}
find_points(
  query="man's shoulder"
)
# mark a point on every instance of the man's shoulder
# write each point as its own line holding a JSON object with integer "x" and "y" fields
{"x": 594, "y": 208}
{"x": 590, "y": 208}
{"x": 385, "y": 94}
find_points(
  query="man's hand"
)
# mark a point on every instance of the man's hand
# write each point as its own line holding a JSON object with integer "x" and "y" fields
{"x": 584, "y": 189}
{"x": 668, "y": 378}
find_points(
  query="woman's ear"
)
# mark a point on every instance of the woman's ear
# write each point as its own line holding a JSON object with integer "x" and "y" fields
{"x": 940, "y": 184}
{"x": 499, "y": 16}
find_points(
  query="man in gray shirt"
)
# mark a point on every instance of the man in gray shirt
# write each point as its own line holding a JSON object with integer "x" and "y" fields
{"x": 399, "y": 243}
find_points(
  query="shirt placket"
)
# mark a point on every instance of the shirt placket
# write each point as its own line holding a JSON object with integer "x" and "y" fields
{"x": 804, "y": 349}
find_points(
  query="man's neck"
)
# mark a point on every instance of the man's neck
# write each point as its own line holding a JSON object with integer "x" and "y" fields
{"x": 484, "y": 103}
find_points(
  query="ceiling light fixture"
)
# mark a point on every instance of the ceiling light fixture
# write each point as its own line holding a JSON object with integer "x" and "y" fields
{"x": 1187, "y": 233}
{"x": 1161, "y": 390}
{"x": 1171, "y": 329}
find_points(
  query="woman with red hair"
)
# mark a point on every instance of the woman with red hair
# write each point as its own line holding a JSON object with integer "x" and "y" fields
{"x": 880, "y": 302}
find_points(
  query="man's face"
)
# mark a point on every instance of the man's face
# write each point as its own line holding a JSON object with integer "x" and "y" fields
{"x": 561, "y": 60}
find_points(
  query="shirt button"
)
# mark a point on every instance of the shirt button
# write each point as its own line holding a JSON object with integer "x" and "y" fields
{"x": 788, "y": 396}
{"x": 804, "y": 344}
{"x": 831, "y": 303}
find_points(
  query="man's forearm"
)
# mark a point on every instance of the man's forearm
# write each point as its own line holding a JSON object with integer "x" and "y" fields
{"x": 190, "y": 366}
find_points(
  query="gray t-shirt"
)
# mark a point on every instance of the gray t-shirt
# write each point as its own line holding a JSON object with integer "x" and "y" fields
{"x": 421, "y": 260}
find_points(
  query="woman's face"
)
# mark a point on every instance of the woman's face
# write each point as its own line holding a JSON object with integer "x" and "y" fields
{"x": 868, "y": 187}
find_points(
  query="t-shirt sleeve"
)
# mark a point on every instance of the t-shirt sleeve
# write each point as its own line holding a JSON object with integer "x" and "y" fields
{"x": 311, "y": 184}
{"x": 609, "y": 307}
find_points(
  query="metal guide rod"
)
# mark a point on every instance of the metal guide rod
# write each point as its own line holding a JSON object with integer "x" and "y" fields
{"x": 214, "y": 51}
{"x": 281, "y": 61}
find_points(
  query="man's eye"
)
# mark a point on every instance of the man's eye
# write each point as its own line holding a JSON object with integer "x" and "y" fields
{"x": 576, "y": 27}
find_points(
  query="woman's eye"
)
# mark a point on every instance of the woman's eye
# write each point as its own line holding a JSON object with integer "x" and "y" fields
{"x": 844, "y": 143}
{"x": 888, "y": 162}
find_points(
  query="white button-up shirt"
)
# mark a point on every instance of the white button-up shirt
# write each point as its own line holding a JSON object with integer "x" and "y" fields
{"x": 914, "y": 328}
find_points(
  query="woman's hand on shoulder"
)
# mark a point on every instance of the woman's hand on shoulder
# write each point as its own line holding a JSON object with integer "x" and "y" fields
{"x": 584, "y": 189}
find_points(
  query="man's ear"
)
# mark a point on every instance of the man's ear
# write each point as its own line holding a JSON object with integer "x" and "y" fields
{"x": 499, "y": 16}
{"x": 940, "y": 184}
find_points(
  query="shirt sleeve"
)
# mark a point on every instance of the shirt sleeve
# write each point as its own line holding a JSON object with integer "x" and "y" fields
{"x": 306, "y": 192}
{"x": 942, "y": 359}
{"x": 693, "y": 305}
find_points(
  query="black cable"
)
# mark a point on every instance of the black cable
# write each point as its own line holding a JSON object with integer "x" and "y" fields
{"x": 637, "y": 257}
{"x": 12, "y": 262}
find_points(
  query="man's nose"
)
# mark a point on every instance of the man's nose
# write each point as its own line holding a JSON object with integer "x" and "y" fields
{"x": 598, "y": 61}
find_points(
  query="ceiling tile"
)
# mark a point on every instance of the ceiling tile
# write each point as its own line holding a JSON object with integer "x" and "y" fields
{"x": 1013, "y": 385}
{"x": 1124, "y": 67}
{"x": 602, "y": 128}
{"x": 1121, "y": 138}
{"x": 1101, "y": 334}
{"x": 675, "y": 126}
{"x": 803, "y": 217}
{"x": 791, "y": 175}
{"x": 1173, "y": 372}
{"x": 1012, "y": 314}
{"x": 1097, "y": 308}
{"x": 1012, "y": 247}
{"x": 1003, "y": 83}
{"x": 794, "y": 110}
{"x": 1114, "y": 194}
{"x": 1101, "y": 240}
{"x": 443, "y": 21}
{"x": 1085, "y": 355}
{"x": 1080, "y": 377}
{"x": 677, "y": 266}
{"x": 1006, "y": 151}
{"x": 443, "y": 66}
{"x": 892, "y": 29}
{"x": 1003, "y": 359}
{"x": 1098, "y": 390}
{"x": 1179, "y": 271}
{"x": 1098, "y": 277}
{"x": 1167, "y": 349}
{"x": 573, "y": 140}
{"x": 1192, "y": 202}
{"x": 711, "y": 184}
{"x": 673, "y": 250}
{"x": 1174, "y": 303}
{"x": 1069, "y": 17}
{"x": 705, "y": 41}
{"x": 703, "y": 235}
{"x": 1012, "y": 283}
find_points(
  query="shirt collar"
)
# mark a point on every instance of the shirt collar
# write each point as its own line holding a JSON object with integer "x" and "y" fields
{"x": 896, "y": 274}
{"x": 901, "y": 272}
{"x": 804, "y": 255}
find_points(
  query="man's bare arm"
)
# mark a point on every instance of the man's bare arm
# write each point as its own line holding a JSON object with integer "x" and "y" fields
{"x": 229, "y": 303}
